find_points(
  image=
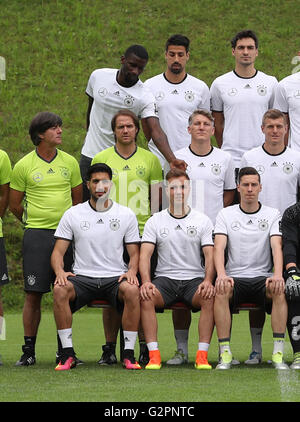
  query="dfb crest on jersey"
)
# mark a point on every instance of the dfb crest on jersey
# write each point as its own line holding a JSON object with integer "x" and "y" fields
{"x": 140, "y": 171}
{"x": 191, "y": 231}
{"x": 216, "y": 169}
{"x": 288, "y": 168}
{"x": 128, "y": 101}
{"x": 262, "y": 90}
{"x": 31, "y": 279}
{"x": 189, "y": 96}
{"x": 263, "y": 225}
{"x": 114, "y": 224}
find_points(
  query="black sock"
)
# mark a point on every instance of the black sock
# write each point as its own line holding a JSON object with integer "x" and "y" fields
{"x": 30, "y": 341}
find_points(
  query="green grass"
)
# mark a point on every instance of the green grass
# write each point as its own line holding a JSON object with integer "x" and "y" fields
{"x": 91, "y": 383}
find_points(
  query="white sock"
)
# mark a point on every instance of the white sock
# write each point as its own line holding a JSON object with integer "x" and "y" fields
{"x": 203, "y": 346}
{"x": 65, "y": 337}
{"x": 181, "y": 337}
{"x": 129, "y": 339}
{"x": 278, "y": 345}
{"x": 152, "y": 346}
{"x": 256, "y": 334}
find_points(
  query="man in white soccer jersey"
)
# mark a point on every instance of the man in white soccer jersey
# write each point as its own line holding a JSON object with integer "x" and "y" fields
{"x": 184, "y": 271}
{"x": 177, "y": 94}
{"x": 279, "y": 169}
{"x": 110, "y": 90}
{"x": 44, "y": 184}
{"x": 239, "y": 99}
{"x": 137, "y": 176}
{"x": 287, "y": 99}
{"x": 5, "y": 172}
{"x": 250, "y": 234}
{"x": 212, "y": 174}
{"x": 99, "y": 270}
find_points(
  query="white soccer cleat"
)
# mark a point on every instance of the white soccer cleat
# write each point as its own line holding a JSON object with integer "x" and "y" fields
{"x": 296, "y": 362}
{"x": 178, "y": 359}
{"x": 277, "y": 361}
{"x": 254, "y": 358}
{"x": 225, "y": 360}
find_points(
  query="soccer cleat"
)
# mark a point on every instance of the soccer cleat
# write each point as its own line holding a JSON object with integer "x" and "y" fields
{"x": 277, "y": 361}
{"x": 296, "y": 362}
{"x": 225, "y": 360}
{"x": 254, "y": 358}
{"x": 144, "y": 354}
{"x": 108, "y": 356}
{"x": 28, "y": 357}
{"x": 66, "y": 363}
{"x": 131, "y": 363}
{"x": 201, "y": 360}
{"x": 155, "y": 360}
{"x": 78, "y": 361}
{"x": 178, "y": 359}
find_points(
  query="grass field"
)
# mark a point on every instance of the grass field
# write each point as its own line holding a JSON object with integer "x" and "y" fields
{"x": 49, "y": 48}
{"x": 91, "y": 383}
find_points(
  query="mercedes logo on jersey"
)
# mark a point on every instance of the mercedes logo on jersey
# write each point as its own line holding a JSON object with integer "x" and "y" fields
{"x": 84, "y": 225}
{"x": 102, "y": 92}
{"x": 232, "y": 92}
{"x": 236, "y": 225}
{"x": 164, "y": 232}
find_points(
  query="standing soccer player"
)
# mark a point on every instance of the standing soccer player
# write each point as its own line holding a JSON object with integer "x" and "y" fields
{"x": 110, "y": 90}
{"x": 137, "y": 176}
{"x": 177, "y": 94}
{"x": 44, "y": 184}
{"x": 184, "y": 271}
{"x": 287, "y": 100}
{"x": 5, "y": 172}
{"x": 240, "y": 97}
{"x": 250, "y": 233}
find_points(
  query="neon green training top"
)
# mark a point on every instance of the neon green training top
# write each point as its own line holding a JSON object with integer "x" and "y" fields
{"x": 5, "y": 173}
{"x": 132, "y": 177}
{"x": 47, "y": 187}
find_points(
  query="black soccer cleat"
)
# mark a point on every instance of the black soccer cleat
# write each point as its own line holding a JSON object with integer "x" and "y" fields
{"x": 77, "y": 360}
{"x": 108, "y": 356}
{"x": 28, "y": 357}
{"x": 144, "y": 354}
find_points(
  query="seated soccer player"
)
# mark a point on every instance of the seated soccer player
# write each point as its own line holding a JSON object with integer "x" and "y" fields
{"x": 98, "y": 228}
{"x": 251, "y": 233}
{"x": 184, "y": 271}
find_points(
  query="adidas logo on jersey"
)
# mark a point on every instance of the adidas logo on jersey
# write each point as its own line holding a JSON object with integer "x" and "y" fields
{"x": 175, "y": 92}
{"x": 247, "y": 86}
{"x": 178, "y": 227}
{"x": 126, "y": 167}
{"x": 250, "y": 222}
{"x": 50, "y": 171}
{"x": 274, "y": 164}
{"x": 201, "y": 165}
{"x": 117, "y": 93}
{"x": 100, "y": 221}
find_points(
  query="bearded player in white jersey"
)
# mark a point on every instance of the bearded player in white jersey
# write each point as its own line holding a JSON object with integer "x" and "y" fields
{"x": 177, "y": 94}
{"x": 250, "y": 235}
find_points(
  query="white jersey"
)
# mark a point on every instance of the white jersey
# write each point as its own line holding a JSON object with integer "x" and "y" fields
{"x": 98, "y": 238}
{"x": 243, "y": 102}
{"x": 287, "y": 100}
{"x": 248, "y": 240}
{"x": 110, "y": 97}
{"x": 175, "y": 103}
{"x": 210, "y": 175}
{"x": 179, "y": 243}
{"x": 280, "y": 176}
